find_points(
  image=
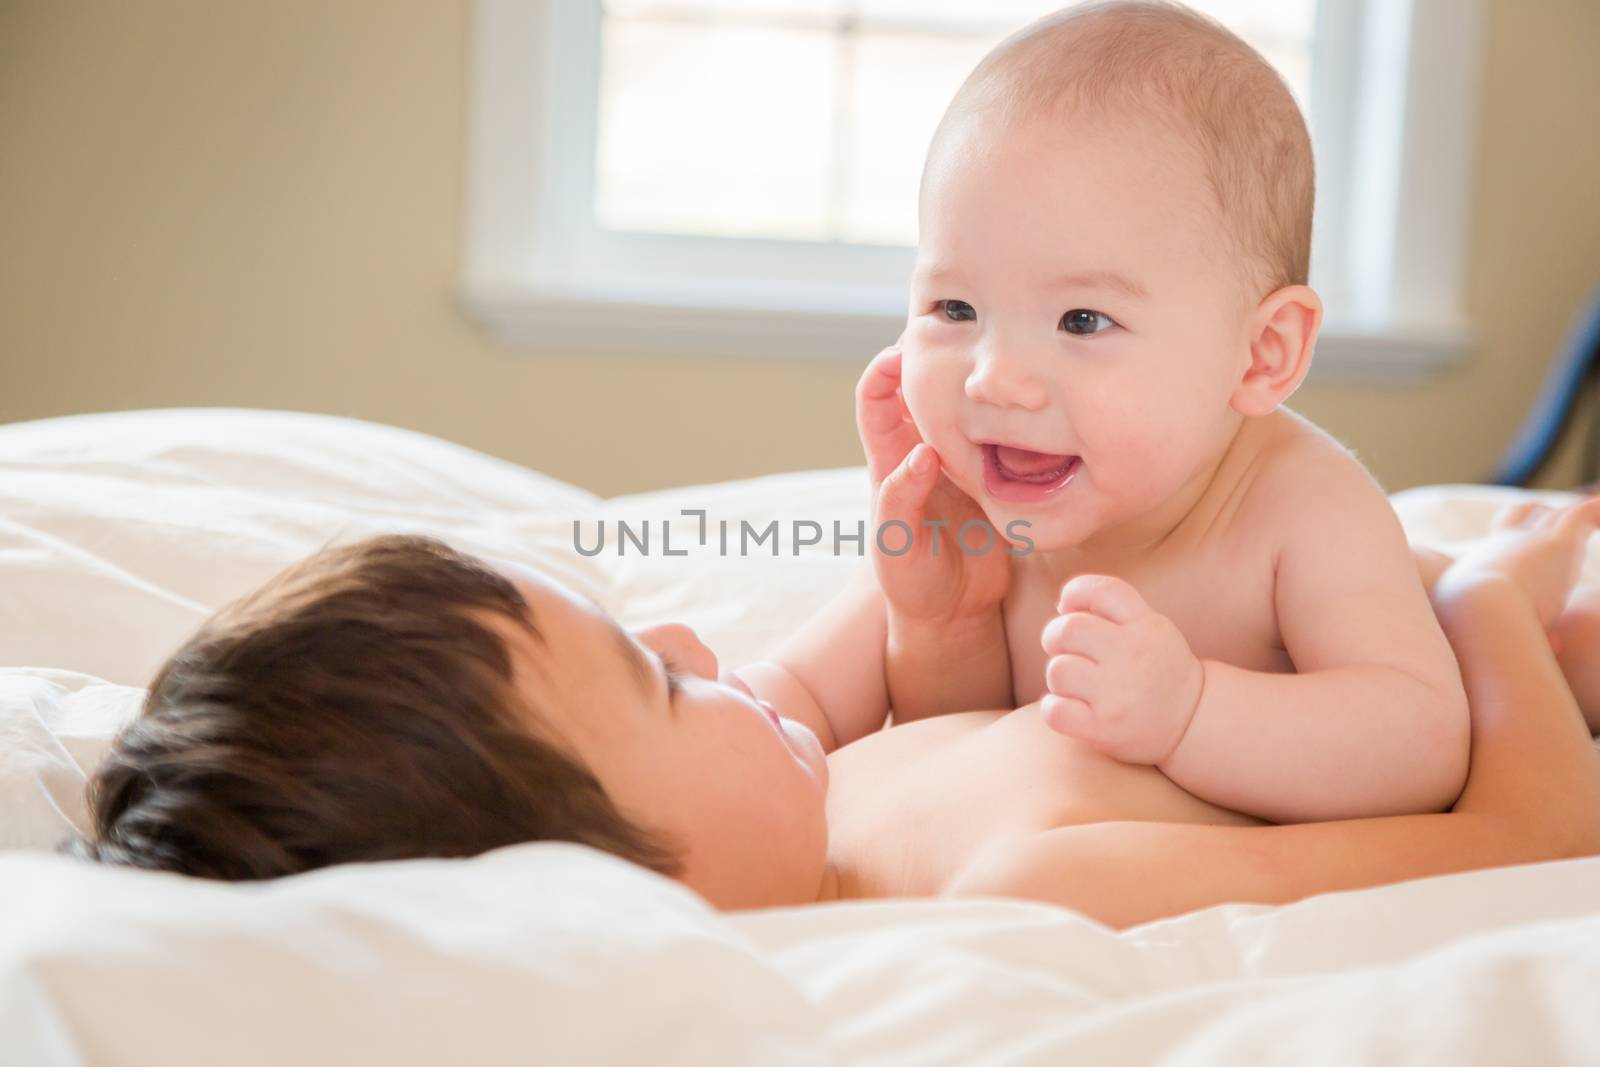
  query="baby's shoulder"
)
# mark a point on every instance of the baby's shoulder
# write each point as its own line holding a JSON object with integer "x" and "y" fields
{"x": 1301, "y": 474}
{"x": 1292, "y": 446}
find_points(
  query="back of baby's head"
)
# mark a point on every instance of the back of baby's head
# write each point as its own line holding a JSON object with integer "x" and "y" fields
{"x": 1122, "y": 59}
{"x": 360, "y": 706}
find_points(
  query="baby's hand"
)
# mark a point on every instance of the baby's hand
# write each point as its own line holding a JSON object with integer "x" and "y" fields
{"x": 933, "y": 580}
{"x": 1121, "y": 677}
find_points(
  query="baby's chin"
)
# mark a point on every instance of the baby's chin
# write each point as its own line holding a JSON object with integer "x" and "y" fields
{"x": 1024, "y": 531}
{"x": 996, "y": 514}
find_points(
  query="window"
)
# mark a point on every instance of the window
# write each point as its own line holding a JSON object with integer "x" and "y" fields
{"x": 843, "y": 96}
{"x": 740, "y": 175}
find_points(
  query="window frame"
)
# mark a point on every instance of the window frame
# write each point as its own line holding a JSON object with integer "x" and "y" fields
{"x": 538, "y": 272}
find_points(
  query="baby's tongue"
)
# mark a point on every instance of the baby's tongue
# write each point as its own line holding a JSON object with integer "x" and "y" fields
{"x": 1025, "y": 464}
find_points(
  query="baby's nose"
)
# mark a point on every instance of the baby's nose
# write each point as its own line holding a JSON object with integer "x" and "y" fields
{"x": 683, "y": 646}
{"x": 1006, "y": 381}
{"x": 694, "y": 654}
{"x": 703, "y": 661}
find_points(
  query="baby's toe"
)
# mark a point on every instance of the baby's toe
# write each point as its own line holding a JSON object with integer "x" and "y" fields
{"x": 1522, "y": 513}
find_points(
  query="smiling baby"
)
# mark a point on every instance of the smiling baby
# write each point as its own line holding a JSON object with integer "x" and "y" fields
{"x": 1108, "y": 311}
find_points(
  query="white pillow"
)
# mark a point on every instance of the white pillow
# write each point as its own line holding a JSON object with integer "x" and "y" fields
{"x": 122, "y": 532}
{"x": 55, "y": 727}
{"x": 536, "y": 954}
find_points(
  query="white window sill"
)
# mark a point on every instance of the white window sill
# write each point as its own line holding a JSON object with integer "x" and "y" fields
{"x": 852, "y": 323}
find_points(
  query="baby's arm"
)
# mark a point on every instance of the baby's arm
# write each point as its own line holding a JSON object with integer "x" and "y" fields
{"x": 946, "y": 643}
{"x": 1374, "y": 722}
{"x": 1533, "y": 794}
{"x": 830, "y": 673}
{"x": 935, "y": 668}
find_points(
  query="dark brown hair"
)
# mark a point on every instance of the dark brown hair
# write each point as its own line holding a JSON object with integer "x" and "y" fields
{"x": 359, "y": 706}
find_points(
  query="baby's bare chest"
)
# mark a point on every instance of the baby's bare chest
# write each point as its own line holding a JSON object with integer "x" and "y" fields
{"x": 1220, "y": 597}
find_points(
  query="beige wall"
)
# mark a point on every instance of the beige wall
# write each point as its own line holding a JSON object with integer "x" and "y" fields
{"x": 257, "y": 204}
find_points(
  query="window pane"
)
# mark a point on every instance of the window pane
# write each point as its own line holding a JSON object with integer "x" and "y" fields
{"x": 900, "y": 85}
{"x": 1255, "y": 20}
{"x": 714, "y": 129}
{"x": 724, "y": 10}
{"x": 1004, "y": 15}
{"x": 809, "y": 119}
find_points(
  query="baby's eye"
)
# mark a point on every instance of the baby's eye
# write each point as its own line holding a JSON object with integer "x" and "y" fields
{"x": 1085, "y": 322}
{"x": 674, "y": 673}
{"x": 958, "y": 310}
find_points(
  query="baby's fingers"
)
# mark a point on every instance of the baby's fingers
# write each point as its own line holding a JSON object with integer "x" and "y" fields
{"x": 1068, "y": 715}
{"x": 904, "y": 492}
{"x": 887, "y": 433}
{"x": 1580, "y": 519}
{"x": 1104, "y": 595}
{"x": 1072, "y": 676}
{"x": 881, "y": 379}
{"x": 1081, "y": 634}
{"x": 1522, "y": 513}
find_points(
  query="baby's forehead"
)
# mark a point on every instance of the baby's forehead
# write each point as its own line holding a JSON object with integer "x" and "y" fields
{"x": 1178, "y": 81}
{"x": 1085, "y": 195}
{"x": 571, "y": 639}
{"x": 1146, "y": 136}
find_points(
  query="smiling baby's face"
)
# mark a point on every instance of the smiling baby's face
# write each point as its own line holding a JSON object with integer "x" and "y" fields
{"x": 1078, "y": 322}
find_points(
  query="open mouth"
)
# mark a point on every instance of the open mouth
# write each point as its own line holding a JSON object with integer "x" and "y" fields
{"x": 1021, "y": 475}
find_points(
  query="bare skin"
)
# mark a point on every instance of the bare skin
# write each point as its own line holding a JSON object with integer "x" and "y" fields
{"x": 1104, "y": 323}
{"x": 1212, "y": 586}
{"x": 996, "y": 803}
{"x": 896, "y": 786}
{"x": 915, "y": 809}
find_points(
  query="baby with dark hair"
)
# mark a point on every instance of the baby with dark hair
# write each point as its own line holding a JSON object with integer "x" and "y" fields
{"x": 359, "y": 707}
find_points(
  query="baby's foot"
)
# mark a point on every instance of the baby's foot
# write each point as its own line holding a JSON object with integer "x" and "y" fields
{"x": 1575, "y": 634}
{"x": 1524, "y": 513}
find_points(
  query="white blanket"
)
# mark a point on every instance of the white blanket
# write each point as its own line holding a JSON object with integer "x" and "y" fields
{"x": 119, "y": 533}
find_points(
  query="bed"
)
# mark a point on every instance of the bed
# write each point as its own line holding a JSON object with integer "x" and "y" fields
{"x": 119, "y": 533}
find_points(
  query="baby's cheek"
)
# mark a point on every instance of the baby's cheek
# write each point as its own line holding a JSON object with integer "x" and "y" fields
{"x": 924, "y": 383}
{"x": 934, "y": 389}
{"x": 913, "y": 389}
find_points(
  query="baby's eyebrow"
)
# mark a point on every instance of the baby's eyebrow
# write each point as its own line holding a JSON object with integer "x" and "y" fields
{"x": 1101, "y": 279}
{"x": 1085, "y": 279}
{"x": 933, "y": 272}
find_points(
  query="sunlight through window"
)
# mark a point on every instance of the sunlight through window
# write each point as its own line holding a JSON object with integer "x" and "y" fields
{"x": 807, "y": 119}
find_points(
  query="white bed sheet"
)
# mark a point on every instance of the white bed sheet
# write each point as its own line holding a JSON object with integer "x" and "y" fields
{"x": 119, "y": 533}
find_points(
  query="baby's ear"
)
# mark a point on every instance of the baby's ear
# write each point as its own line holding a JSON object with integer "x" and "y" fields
{"x": 1283, "y": 333}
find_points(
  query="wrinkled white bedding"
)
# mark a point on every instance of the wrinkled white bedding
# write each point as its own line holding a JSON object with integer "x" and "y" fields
{"x": 119, "y": 533}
